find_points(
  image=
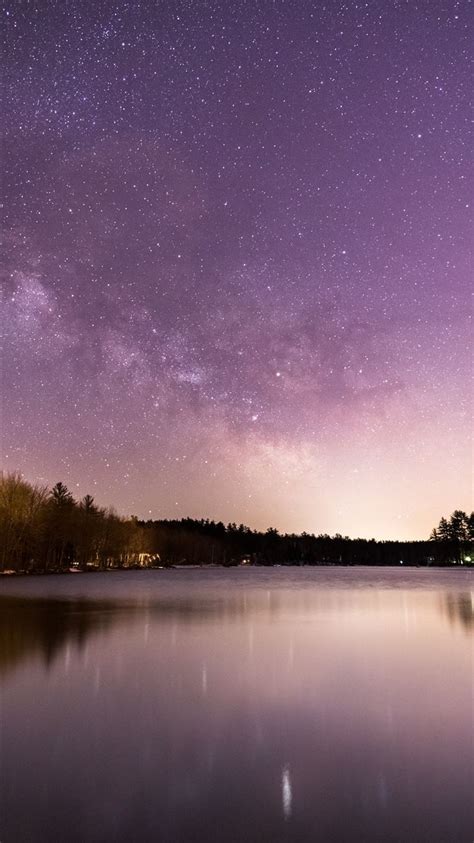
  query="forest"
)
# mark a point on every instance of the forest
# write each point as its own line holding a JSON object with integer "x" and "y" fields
{"x": 46, "y": 530}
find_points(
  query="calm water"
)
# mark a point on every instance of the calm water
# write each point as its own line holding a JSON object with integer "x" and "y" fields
{"x": 245, "y": 705}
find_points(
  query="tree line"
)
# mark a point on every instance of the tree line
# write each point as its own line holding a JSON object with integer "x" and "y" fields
{"x": 44, "y": 529}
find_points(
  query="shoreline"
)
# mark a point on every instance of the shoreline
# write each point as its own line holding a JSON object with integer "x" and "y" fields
{"x": 10, "y": 574}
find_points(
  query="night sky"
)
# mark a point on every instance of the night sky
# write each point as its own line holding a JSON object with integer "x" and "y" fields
{"x": 237, "y": 258}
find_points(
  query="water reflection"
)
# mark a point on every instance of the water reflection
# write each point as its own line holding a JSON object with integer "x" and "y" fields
{"x": 231, "y": 710}
{"x": 286, "y": 792}
{"x": 41, "y": 627}
{"x": 460, "y": 608}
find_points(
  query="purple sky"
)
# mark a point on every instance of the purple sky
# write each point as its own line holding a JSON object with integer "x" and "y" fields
{"x": 238, "y": 258}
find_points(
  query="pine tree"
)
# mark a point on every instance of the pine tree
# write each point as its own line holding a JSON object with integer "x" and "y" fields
{"x": 61, "y": 495}
{"x": 443, "y": 531}
{"x": 458, "y": 526}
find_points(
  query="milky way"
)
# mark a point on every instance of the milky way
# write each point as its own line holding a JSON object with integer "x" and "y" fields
{"x": 237, "y": 258}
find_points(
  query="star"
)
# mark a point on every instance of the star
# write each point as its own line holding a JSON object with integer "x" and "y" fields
{"x": 224, "y": 238}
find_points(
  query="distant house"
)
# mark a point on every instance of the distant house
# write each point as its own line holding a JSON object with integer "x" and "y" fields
{"x": 146, "y": 559}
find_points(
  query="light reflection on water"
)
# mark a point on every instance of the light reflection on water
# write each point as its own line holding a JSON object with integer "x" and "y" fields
{"x": 286, "y": 792}
{"x": 257, "y": 705}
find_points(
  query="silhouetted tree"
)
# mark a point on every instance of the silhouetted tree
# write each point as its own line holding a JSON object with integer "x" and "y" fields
{"x": 61, "y": 495}
{"x": 455, "y": 537}
{"x": 22, "y": 508}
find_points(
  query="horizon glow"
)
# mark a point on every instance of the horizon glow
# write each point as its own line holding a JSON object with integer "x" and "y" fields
{"x": 238, "y": 260}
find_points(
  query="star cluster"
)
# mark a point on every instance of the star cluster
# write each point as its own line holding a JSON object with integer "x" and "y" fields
{"x": 237, "y": 258}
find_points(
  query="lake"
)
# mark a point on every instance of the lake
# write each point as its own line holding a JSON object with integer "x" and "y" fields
{"x": 300, "y": 704}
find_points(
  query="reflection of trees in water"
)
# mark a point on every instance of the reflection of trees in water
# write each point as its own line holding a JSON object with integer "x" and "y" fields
{"x": 30, "y": 627}
{"x": 459, "y": 608}
{"x": 40, "y": 628}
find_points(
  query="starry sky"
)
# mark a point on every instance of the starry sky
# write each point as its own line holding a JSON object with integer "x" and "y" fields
{"x": 237, "y": 242}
